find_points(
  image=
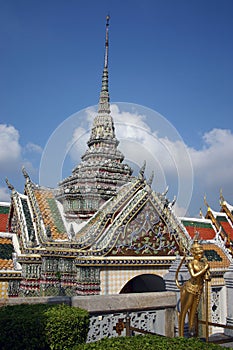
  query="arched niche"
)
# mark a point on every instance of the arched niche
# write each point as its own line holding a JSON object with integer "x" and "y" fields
{"x": 143, "y": 284}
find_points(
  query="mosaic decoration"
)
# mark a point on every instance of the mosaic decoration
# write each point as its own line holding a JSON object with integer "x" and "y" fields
{"x": 88, "y": 281}
{"x": 105, "y": 326}
{"x": 215, "y": 304}
{"x": 146, "y": 234}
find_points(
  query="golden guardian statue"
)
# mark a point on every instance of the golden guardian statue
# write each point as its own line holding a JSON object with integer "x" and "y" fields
{"x": 191, "y": 290}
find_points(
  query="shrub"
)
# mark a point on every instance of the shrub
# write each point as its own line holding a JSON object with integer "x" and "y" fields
{"x": 66, "y": 326}
{"x": 148, "y": 342}
{"x": 42, "y": 326}
{"x": 22, "y": 327}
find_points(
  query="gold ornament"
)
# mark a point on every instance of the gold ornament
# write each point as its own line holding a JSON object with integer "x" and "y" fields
{"x": 191, "y": 290}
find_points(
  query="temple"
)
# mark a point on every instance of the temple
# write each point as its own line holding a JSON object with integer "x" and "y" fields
{"x": 103, "y": 230}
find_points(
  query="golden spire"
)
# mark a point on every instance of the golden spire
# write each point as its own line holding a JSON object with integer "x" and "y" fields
{"x": 206, "y": 203}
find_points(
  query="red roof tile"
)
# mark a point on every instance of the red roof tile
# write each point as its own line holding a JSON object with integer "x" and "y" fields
{"x": 227, "y": 228}
{"x": 205, "y": 229}
{"x": 3, "y": 222}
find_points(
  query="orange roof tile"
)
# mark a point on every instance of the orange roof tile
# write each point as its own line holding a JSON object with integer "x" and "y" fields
{"x": 6, "y": 249}
{"x": 44, "y": 198}
{"x": 6, "y": 264}
{"x": 215, "y": 256}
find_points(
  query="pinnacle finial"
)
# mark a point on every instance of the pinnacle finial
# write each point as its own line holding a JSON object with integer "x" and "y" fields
{"x": 9, "y": 185}
{"x": 142, "y": 171}
{"x": 25, "y": 174}
{"x": 222, "y": 199}
{"x": 106, "y": 43}
{"x": 104, "y": 95}
{"x": 150, "y": 181}
{"x": 206, "y": 203}
{"x": 201, "y": 214}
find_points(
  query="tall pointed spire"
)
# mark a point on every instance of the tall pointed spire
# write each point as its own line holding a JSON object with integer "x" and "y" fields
{"x": 104, "y": 95}
{"x": 101, "y": 171}
{"x": 106, "y": 43}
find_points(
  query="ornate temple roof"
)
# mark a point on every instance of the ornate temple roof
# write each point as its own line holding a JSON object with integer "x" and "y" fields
{"x": 135, "y": 222}
{"x": 222, "y": 220}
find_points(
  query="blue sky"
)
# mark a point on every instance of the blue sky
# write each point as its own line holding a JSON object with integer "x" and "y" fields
{"x": 172, "y": 56}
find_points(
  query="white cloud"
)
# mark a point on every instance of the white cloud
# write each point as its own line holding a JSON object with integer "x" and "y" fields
{"x": 13, "y": 156}
{"x": 32, "y": 147}
{"x": 78, "y": 144}
{"x": 213, "y": 163}
{"x": 213, "y": 167}
{"x": 155, "y": 140}
{"x": 10, "y": 149}
{"x": 4, "y": 195}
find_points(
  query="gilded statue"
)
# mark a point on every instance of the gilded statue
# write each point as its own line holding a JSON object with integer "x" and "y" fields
{"x": 191, "y": 290}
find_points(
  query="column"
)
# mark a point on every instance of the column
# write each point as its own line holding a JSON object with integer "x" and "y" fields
{"x": 228, "y": 276}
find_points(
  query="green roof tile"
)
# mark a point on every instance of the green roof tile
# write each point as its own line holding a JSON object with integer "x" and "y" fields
{"x": 196, "y": 224}
{"x": 212, "y": 255}
{"x": 4, "y": 210}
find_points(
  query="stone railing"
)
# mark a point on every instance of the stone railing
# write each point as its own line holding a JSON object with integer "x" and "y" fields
{"x": 152, "y": 312}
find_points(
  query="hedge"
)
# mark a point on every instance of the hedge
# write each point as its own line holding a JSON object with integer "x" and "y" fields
{"x": 42, "y": 326}
{"x": 148, "y": 342}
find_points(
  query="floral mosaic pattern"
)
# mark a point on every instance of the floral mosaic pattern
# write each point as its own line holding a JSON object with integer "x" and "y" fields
{"x": 146, "y": 234}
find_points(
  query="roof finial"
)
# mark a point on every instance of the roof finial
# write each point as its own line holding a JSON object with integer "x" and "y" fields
{"x": 201, "y": 214}
{"x": 106, "y": 43}
{"x": 25, "y": 174}
{"x": 222, "y": 199}
{"x": 206, "y": 203}
{"x": 104, "y": 95}
{"x": 9, "y": 185}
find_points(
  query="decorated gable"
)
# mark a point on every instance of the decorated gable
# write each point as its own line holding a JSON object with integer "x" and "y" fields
{"x": 146, "y": 234}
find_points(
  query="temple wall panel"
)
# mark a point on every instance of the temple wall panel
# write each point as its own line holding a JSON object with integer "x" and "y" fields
{"x": 114, "y": 279}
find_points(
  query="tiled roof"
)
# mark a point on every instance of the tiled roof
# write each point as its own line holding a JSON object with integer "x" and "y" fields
{"x": 204, "y": 228}
{"x": 226, "y": 226}
{"x": 4, "y": 211}
{"x": 6, "y": 250}
{"x": 215, "y": 256}
{"x": 50, "y": 213}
